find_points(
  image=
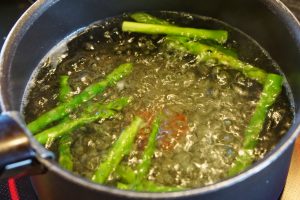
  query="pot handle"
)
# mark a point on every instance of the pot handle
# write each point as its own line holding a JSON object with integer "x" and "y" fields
{"x": 17, "y": 156}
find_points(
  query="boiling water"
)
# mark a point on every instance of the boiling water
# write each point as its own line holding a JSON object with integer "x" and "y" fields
{"x": 213, "y": 102}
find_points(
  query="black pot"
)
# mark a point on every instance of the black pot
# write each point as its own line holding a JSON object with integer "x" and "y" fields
{"x": 47, "y": 22}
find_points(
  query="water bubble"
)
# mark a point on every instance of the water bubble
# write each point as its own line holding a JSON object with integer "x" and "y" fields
{"x": 88, "y": 46}
{"x": 130, "y": 40}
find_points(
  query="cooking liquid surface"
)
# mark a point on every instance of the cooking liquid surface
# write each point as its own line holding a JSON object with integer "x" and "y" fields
{"x": 206, "y": 106}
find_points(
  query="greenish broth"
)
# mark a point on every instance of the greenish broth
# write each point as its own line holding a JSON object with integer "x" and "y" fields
{"x": 210, "y": 104}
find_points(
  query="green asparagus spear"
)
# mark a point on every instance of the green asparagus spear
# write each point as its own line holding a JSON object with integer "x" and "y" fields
{"x": 144, "y": 165}
{"x": 104, "y": 112}
{"x": 123, "y": 186}
{"x": 149, "y": 186}
{"x": 272, "y": 88}
{"x": 64, "y": 147}
{"x": 87, "y": 94}
{"x": 129, "y": 176}
{"x": 137, "y": 181}
{"x": 65, "y": 155}
{"x": 142, "y": 17}
{"x": 126, "y": 174}
{"x": 115, "y": 105}
{"x": 271, "y": 91}
{"x": 242, "y": 161}
{"x": 219, "y": 36}
{"x": 120, "y": 148}
{"x": 205, "y": 52}
{"x": 220, "y": 48}
{"x": 65, "y": 89}
{"x": 67, "y": 126}
{"x": 153, "y": 187}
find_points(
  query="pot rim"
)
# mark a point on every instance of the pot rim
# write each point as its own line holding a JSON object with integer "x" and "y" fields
{"x": 39, "y": 7}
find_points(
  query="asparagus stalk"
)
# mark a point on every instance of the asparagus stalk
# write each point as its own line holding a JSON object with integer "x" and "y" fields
{"x": 144, "y": 165}
{"x": 222, "y": 49}
{"x": 129, "y": 176}
{"x": 67, "y": 126}
{"x": 87, "y": 94}
{"x": 219, "y": 36}
{"x": 136, "y": 181}
{"x": 104, "y": 112}
{"x": 65, "y": 155}
{"x": 205, "y": 52}
{"x": 149, "y": 186}
{"x": 64, "y": 147}
{"x": 120, "y": 148}
{"x": 65, "y": 89}
{"x": 115, "y": 105}
{"x": 142, "y": 17}
{"x": 271, "y": 91}
{"x": 272, "y": 88}
{"x": 126, "y": 174}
